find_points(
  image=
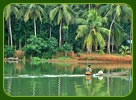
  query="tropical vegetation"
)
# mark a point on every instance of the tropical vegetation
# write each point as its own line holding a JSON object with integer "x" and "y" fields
{"x": 41, "y": 30}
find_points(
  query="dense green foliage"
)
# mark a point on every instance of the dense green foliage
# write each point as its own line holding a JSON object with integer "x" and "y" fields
{"x": 77, "y": 27}
{"x": 38, "y": 47}
{"x": 52, "y": 45}
{"x": 124, "y": 50}
{"x": 35, "y": 46}
{"x": 66, "y": 47}
{"x": 8, "y": 51}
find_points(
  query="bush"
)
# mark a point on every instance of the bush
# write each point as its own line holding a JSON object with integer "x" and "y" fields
{"x": 124, "y": 50}
{"x": 8, "y": 51}
{"x": 52, "y": 45}
{"x": 38, "y": 47}
{"x": 35, "y": 47}
{"x": 35, "y": 59}
{"x": 66, "y": 48}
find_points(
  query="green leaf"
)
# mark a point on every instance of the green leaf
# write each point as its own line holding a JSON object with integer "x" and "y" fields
{"x": 53, "y": 13}
{"x": 82, "y": 29}
{"x": 118, "y": 10}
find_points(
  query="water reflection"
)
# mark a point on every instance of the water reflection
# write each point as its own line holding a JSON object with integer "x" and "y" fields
{"x": 34, "y": 80}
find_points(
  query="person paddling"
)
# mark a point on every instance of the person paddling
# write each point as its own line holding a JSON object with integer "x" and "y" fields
{"x": 88, "y": 70}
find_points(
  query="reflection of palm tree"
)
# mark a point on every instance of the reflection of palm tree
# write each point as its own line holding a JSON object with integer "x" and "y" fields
{"x": 59, "y": 86}
{"x": 34, "y": 88}
{"x": 108, "y": 84}
{"x": 9, "y": 85}
{"x": 97, "y": 88}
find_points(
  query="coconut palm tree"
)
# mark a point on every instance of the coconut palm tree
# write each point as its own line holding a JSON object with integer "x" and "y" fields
{"x": 34, "y": 12}
{"x": 115, "y": 12}
{"x": 61, "y": 13}
{"x": 10, "y": 10}
{"x": 92, "y": 31}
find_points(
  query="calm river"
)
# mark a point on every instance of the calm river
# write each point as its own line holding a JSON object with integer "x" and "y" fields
{"x": 63, "y": 79}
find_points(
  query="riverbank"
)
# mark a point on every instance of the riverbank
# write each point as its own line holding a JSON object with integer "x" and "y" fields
{"x": 96, "y": 58}
{"x": 85, "y": 58}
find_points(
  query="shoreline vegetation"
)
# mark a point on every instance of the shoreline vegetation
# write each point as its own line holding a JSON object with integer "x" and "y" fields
{"x": 82, "y": 58}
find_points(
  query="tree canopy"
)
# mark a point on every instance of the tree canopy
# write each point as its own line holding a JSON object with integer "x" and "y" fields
{"x": 85, "y": 27}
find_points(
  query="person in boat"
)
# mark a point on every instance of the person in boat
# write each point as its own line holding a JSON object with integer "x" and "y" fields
{"x": 88, "y": 70}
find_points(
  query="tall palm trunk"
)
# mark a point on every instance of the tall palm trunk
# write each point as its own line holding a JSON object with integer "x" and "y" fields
{"x": 20, "y": 46}
{"x": 8, "y": 41}
{"x": 50, "y": 31}
{"x": 10, "y": 32}
{"x": 89, "y": 50}
{"x": 108, "y": 45}
{"x": 60, "y": 37}
{"x": 112, "y": 43}
{"x": 34, "y": 26}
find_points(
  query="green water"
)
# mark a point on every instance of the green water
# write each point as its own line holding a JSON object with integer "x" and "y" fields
{"x": 50, "y": 79}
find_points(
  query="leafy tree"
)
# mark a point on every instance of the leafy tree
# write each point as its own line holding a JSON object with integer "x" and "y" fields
{"x": 35, "y": 47}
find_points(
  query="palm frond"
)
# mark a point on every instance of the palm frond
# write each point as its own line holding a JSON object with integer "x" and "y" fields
{"x": 15, "y": 11}
{"x": 127, "y": 10}
{"x": 100, "y": 40}
{"x": 26, "y": 16}
{"x": 118, "y": 10}
{"x": 41, "y": 10}
{"x": 71, "y": 11}
{"x": 81, "y": 31}
{"x": 80, "y": 21}
{"x": 7, "y": 12}
{"x": 104, "y": 9}
{"x": 104, "y": 30}
{"x": 88, "y": 41}
{"x": 67, "y": 15}
{"x": 119, "y": 27}
{"x": 53, "y": 13}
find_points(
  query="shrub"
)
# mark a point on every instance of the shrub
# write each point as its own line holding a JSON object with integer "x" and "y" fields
{"x": 52, "y": 45}
{"x": 35, "y": 59}
{"x": 19, "y": 54}
{"x": 38, "y": 47}
{"x": 35, "y": 46}
{"x": 66, "y": 47}
{"x": 8, "y": 51}
{"x": 124, "y": 50}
